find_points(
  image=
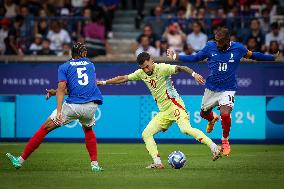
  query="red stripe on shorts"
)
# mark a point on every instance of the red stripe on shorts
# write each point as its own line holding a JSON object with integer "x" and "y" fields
{"x": 175, "y": 102}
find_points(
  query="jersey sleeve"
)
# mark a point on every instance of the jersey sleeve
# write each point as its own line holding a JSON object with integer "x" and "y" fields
{"x": 62, "y": 74}
{"x": 167, "y": 69}
{"x": 135, "y": 76}
{"x": 201, "y": 55}
{"x": 244, "y": 51}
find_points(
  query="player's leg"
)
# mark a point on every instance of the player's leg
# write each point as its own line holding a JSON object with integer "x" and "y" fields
{"x": 87, "y": 112}
{"x": 33, "y": 143}
{"x": 148, "y": 136}
{"x": 226, "y": 103}
{"x": 209, "y": 101}
{"x": 182, "y": 119}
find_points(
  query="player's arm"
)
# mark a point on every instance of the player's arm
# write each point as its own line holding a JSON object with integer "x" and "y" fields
{"x": 201, "y": 55}
{"x": 260, "y": 56}
{"x": 122, "y": 79}
{"x": 188, "y": 70}
{"x": 115, "y": 80}
{"x": 52, "y": 92}
{"x": 59, "y": 98}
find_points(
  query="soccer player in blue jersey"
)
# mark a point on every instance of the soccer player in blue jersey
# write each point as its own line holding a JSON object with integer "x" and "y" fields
{"x": 77, "y": 77}
{"x": 223, "y": 57}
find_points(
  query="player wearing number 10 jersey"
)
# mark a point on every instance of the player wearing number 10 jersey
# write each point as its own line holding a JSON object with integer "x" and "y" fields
{"x": 157, "y": 77}
{"x": 223, "y": 58}
{"x": 77, "y": 77}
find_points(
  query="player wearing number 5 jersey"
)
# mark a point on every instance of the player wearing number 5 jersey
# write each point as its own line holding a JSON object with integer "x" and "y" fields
{"x": 76, "y": 77}
{"x": 157, "y": 77}
{"x": 223, "y": 58}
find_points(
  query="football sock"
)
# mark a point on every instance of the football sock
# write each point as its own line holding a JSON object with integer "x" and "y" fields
{"x": 94, "y": 163}
{"x": 21, "y": 160}
{"x": 91, "y": 143}
{"x": 208, "y": 117}
{"x": 157, "y": 160}
{"x": 213, "y": 147}
{"x": 226, "y": 124}
{"x": 34, "y": 142}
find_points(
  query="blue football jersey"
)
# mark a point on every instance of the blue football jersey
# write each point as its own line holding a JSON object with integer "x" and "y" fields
{"x": 80, "y": 76}
{"x": 222, "y": 65}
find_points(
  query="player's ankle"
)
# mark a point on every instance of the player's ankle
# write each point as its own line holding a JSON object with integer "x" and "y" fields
{"x": 157, "y": 160}
{"x": 94, "y": 163}
{"x": 21, "y": 160}
{"x": 213, "y": 147}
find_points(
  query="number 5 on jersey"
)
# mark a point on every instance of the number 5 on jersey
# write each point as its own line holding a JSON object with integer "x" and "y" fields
{"x": 83, "y": 78}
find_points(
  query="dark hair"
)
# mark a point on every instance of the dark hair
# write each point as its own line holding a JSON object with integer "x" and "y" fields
{"x": 274, "y": 25}
{"x": 143, "y": 35}
{"x": 255, "y": 19}
{"x": 78, "y": 49}
{"x": 223, "y": 31}
{"x": 198, "y": 23}
{"x": 142, "y": 57}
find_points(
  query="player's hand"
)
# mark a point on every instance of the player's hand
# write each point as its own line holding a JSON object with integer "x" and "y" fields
{"x": 170, "y": 54}
{"x": 50, "y": 93}
{"x": 199, "y": 79}
{"x": 99, "y": 83}
{"x": 59, "y": 118}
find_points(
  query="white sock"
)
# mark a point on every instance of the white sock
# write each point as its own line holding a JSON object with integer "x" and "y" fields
{"x": 225, "y": 138}
{"x": 213, "y": 147}
{"x": 21, "y": 160}
{"x": 94, "y": 163}
{"x": 157, "y": 160}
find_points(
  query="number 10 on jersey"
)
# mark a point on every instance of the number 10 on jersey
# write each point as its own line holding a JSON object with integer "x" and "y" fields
{"x": 223, "y": 67}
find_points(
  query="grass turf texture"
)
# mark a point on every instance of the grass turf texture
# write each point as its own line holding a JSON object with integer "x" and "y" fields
{"x": 67, "y": 166}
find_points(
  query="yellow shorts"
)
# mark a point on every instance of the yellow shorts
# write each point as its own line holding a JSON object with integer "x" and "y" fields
{"x": 176, "y": 113}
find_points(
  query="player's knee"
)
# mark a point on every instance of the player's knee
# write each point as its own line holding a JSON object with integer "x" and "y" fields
{"x": 185, "y": 130}
{"x": 146, "y": 134}
{"x": 87, "y": 128}
{"x": 204, "y": 113}
{"x": 49, "y": 125}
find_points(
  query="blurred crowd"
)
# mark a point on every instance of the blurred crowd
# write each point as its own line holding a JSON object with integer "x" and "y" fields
{"x": 186, "y": 25}
{"x": 48, "y": 27}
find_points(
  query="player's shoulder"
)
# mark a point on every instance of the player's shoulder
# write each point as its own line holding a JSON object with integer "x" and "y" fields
{"x": 163, "y": 66}
{"x": 236, "y": 44}
{"x": 211, "y": 43}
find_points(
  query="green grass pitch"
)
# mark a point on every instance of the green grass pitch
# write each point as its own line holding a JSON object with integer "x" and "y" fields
{"x": 66, "y": 166}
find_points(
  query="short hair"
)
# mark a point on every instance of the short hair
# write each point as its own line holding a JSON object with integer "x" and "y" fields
{"x": 142, "y": 57}
{"x": 78, "y": 49}
{"x": 255, "y": 19}
{"x": 274, "y": 25}
{"x": 223, "y": 31}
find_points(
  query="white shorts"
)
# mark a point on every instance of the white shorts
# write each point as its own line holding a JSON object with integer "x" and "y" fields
{"x": 83, "y": 112}
{"x": 212, "y": 99}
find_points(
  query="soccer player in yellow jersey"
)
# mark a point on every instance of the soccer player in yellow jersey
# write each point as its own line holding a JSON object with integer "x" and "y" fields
{"x": 157, "y": 77}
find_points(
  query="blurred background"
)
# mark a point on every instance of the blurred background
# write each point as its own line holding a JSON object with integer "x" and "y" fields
{"x": 36, "y": 37}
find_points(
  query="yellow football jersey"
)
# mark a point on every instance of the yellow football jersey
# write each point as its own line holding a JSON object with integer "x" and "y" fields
{"x": 160, "y": 84}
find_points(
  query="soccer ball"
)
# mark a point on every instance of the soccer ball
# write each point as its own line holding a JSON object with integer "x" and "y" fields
{"x": 177, "y": 159}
